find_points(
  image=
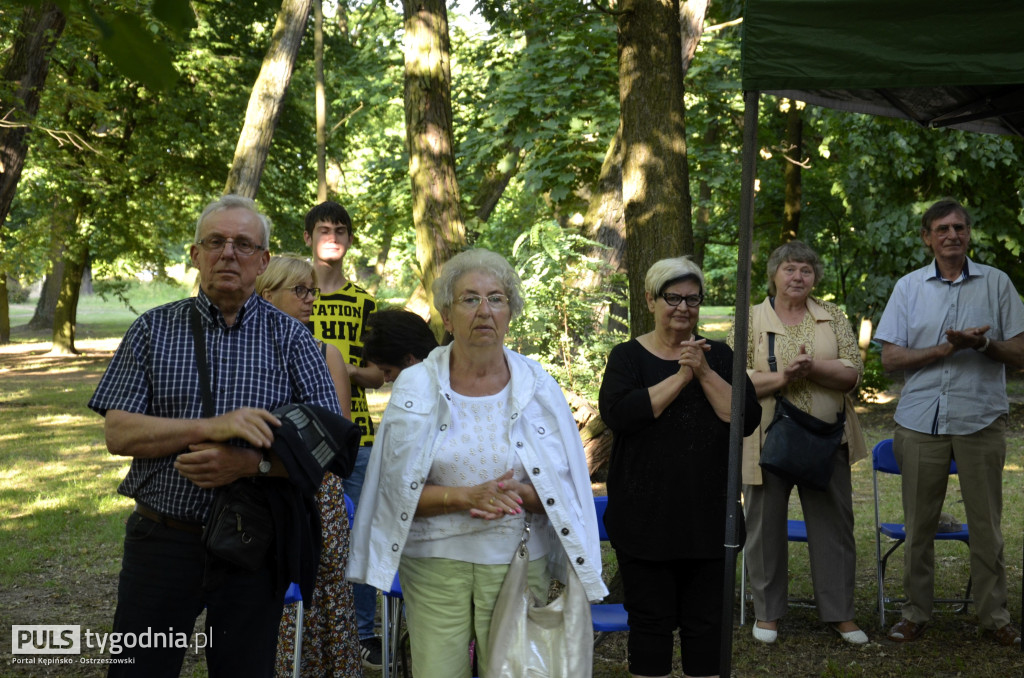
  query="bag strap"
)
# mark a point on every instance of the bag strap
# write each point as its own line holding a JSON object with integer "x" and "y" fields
{"x": 204, "y": 368}
{"x": 773, "y": 364}
{"x": 526, "y": 530}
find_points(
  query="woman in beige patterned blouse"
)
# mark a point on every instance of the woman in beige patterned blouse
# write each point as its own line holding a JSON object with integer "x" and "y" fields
{"x": 818, "y": 364}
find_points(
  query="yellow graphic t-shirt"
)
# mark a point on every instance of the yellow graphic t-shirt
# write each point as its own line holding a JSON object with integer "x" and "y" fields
{"x": 338, "y": 319}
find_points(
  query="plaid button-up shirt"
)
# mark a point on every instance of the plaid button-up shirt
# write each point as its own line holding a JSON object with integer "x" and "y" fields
{"x": 266, "y": 359}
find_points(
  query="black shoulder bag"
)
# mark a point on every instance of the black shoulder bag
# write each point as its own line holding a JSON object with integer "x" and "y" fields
{"x": 240, "y": 528}
{"x": 797, "y": 446}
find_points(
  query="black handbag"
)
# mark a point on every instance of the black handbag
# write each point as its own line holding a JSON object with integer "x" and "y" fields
{"x": 799, "y": 447}
{"x": 240, "y": 526}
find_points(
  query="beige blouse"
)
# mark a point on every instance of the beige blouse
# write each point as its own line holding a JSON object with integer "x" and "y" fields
{"x": 826, "y": 334}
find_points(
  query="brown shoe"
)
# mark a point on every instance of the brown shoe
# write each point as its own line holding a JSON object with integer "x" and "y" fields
{"x": 1008, "y": 636}
{"x": 906, "y": 631}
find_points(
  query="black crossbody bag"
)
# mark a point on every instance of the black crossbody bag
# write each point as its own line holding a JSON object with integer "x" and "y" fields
{"x": 798, "y": 446}
{"x": 240, "y": 527}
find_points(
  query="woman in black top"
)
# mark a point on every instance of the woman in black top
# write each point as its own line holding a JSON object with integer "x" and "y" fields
{"x": 666, "y": 396}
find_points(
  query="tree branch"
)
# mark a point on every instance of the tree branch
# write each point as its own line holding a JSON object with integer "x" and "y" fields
{"x": 727, "y": 24}
{"x": 60, "y": 136}
{"x": 608, "y": 10}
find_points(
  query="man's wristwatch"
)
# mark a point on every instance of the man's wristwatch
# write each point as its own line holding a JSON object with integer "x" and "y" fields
{"x": 264, "y": 465}
{"x": 984, "y": 347}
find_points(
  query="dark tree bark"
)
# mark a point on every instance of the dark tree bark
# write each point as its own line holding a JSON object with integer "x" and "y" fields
{"x": 46, "y": 305}
{"x": 5, "y": 311}
{"x": 655, "y": 177}
{"x": 27, "y": 65}
{"x": 66, "y": 312}
{"x": 440, "y": 229}
{"x": 321, "y": 102}
{"x": 792, "y": 174}
{"x": 26, "y": 69}
{"x": 494, "y": 183}
{"x": 266, "y": 99}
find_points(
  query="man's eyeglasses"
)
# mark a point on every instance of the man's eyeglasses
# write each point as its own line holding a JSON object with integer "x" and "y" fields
{"x": 301, "y": 291}
{"x": 472, "y": 301}
{"x": 943, "y": 229}
{"x": 692, "y": 300}
{"x": 216, "y": 243}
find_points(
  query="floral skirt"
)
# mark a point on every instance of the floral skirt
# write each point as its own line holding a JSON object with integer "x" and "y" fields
{"x": 330, "y": 641}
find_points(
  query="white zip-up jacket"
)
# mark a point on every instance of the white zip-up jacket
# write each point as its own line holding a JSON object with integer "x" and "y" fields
{"x": 544, "y": 435}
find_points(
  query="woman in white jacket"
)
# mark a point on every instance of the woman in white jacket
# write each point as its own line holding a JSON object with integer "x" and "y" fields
{"x": 474, "y": 438}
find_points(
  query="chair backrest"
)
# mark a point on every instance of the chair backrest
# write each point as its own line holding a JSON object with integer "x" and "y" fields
{"x": 883, "y": 459}
{"x": 350, "y": 509}
{"x": 600, "y": 504}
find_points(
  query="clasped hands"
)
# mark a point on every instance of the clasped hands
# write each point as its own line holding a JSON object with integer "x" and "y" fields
{"x": 801, "y": 366}
{"x": 972, "y": 337}
{"x": 692, "y": 362}
{"x": 214, "y": 463}
{"x": 497, "y": 498}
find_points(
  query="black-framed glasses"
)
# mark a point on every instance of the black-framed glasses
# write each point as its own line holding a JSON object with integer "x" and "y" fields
{"x": 473, "y": 301}
{"x": 216, "y": 243}
{"x": 692, "y": 300}
{"x": 301, "y": 291}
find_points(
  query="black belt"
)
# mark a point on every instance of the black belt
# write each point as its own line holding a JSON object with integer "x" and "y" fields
{"x": 146, "y": 512}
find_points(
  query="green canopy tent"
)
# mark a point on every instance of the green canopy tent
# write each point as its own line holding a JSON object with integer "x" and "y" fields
{"x": 941, "y": 63}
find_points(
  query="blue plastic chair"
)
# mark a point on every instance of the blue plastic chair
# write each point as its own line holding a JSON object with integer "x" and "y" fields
{"x": 606, "y": 617}
{"x": 293, "y": 596}
{"x": 883, "y": 460}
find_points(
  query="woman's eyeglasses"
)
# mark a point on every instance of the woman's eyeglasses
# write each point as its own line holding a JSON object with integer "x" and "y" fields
{"x": 692, "y": 300}
{"x": 473, "y": 301}
{"x": 301, "y": 291}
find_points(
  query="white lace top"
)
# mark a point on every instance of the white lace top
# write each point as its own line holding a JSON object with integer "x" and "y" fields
{"x": 475, "y": 449}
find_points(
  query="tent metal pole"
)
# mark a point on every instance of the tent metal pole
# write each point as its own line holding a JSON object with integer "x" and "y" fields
{"x": 751, "y": 100}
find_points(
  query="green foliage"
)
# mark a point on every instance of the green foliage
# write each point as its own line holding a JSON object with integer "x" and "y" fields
{"x": 875, "y": 379}
{"x": 560, "y": 326}
{"x": 540, "y": 92}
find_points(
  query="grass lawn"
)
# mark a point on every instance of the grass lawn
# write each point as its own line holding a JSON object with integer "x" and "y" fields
{"x": 60, "y": 545}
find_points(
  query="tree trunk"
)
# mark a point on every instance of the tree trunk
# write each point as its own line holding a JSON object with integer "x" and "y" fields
{"x": 494, "y": 183}
{"x": 321, "y": 102}
{"x": 440, "y": 230}
{"x": 655, "y": 177}
{"x": 5, "y": 312}
{"x": 46, "y": 305}
{"x": 266, "y": 99}
{"x": 792, "y": 174}
{"x": 66, "y": 312}
{"x": 24, "y": 74}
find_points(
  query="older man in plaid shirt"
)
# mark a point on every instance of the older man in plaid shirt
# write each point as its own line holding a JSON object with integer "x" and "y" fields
{"x": 259, "y": 359}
